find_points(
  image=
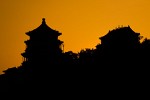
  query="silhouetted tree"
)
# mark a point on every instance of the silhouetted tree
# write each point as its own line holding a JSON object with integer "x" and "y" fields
{"x": 145, "y": 52}
{"x": 70, "y": 58}
{"x": 86, "y": 57}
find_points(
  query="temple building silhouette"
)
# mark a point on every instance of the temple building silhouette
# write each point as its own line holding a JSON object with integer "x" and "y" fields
{"x": 43, "y": 47}
{"x": 119, "y": 44}
{"x": 121, "y": 37}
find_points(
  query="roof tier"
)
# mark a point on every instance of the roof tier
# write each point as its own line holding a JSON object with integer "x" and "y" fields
{"x": 43, "y": 29}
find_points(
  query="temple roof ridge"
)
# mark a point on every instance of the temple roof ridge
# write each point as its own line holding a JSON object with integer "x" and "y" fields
{"x": 43, "y": 27}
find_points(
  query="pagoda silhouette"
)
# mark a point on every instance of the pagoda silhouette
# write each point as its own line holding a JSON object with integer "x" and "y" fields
{"x": 43, "y": 48}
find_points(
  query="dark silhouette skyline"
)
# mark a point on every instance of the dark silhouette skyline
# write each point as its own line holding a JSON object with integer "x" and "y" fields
{"x": 120, "y": 57}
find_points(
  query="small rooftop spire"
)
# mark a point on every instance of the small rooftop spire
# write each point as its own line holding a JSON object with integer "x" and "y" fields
{"x": 43, "y": 21}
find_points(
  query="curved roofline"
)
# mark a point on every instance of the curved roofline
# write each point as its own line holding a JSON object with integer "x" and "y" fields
{"x": 43, "y": 26}
{"x": 119, "y": 28}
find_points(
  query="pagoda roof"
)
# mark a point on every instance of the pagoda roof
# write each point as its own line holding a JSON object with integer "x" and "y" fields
{"x": 43, "y": 28}
{"x": 121, "y": 31}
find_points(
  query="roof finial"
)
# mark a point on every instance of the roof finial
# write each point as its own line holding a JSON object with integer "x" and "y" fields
{"x": 43, "y": 21}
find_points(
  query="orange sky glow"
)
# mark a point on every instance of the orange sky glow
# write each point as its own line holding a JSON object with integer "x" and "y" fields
{"x": 81, "y": 22}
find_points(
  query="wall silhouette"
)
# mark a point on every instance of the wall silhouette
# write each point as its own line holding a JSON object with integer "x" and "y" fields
{"x": 120, "y": 57}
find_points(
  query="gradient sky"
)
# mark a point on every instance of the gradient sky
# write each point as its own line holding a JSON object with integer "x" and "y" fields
{"x": 81, "y": 22}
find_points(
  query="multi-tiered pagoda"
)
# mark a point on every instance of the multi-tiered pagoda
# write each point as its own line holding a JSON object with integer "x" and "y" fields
{"x": 43, "y": 47}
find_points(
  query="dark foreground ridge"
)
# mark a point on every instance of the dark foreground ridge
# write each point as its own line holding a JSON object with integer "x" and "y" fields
{"x": 119, "y": 62}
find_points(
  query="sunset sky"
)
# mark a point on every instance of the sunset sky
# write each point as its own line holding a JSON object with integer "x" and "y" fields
{"x": 81, "y": 22}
